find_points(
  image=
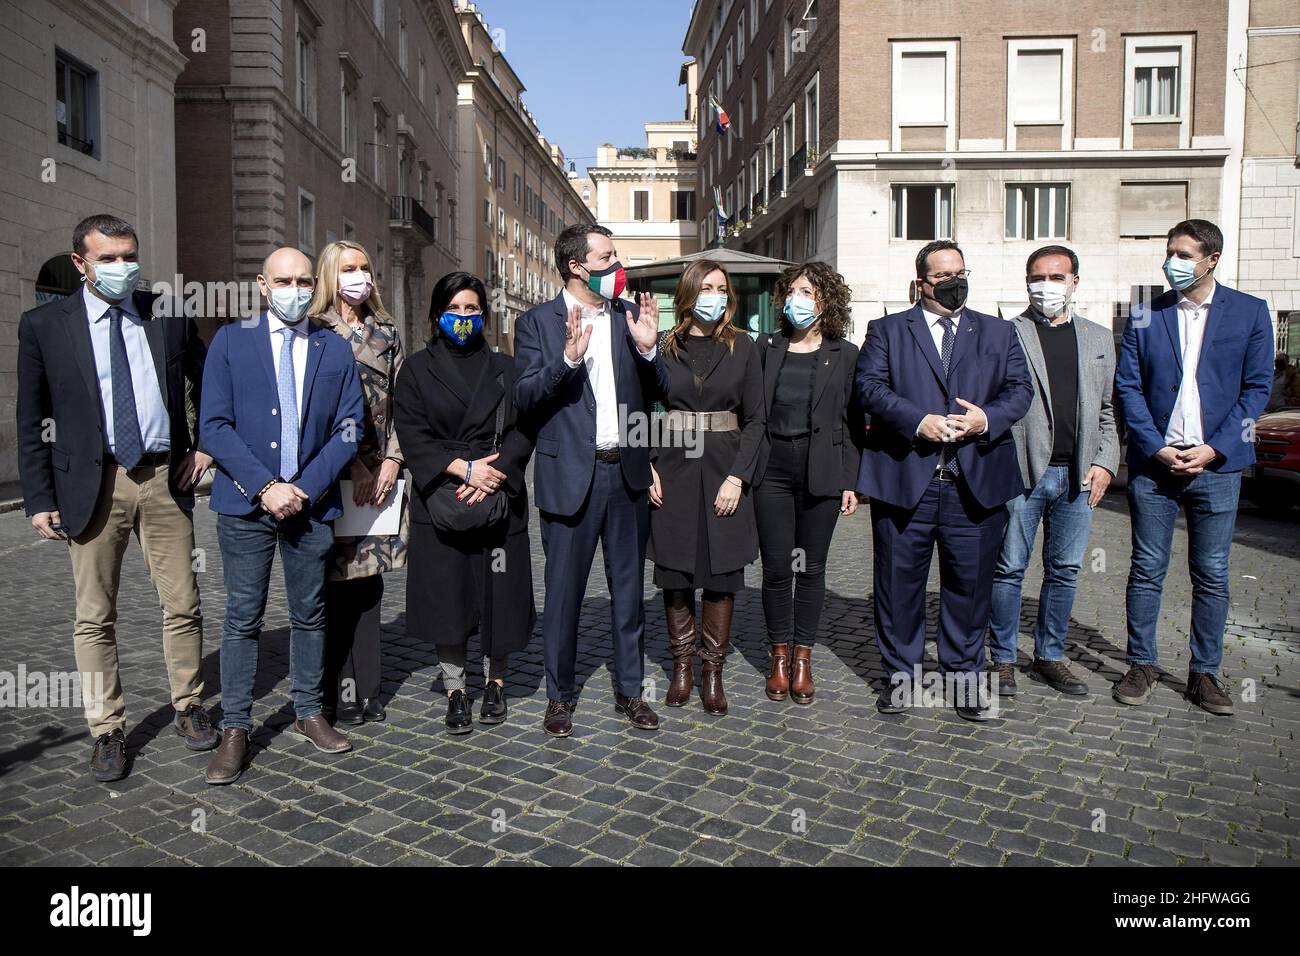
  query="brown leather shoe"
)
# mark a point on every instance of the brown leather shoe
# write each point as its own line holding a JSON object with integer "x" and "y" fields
{"x": 778, "y": 679}
{"x": 637, "y": 711}
{"x": 1058, "y": 676}
{"x": 108, "y": 759}
{"x": 1136, "y": 686}
{"x": 715, "y": 634}
{"x": 318, "y": 730}
{"x": 1205, "y": 691}
{"x": 194, "y": 724}
{"x": 1004, "y": 675}
{"x": 228, "y": 762}
{"x": 558, "y": 720}
{"x": 679, "y": 614}
{"x": 801, "y": 682}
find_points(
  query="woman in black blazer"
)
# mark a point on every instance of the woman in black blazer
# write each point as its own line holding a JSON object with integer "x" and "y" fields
{"x": 702, "y": 530}
{"x": 808, "y": 463}
{"x": 447, "y": 405}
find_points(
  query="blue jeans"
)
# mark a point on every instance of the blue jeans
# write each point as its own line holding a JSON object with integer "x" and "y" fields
{"x": 247, "y": 551}
{"x": 1210, "y": 502}
{"x": 1067, "y": 519}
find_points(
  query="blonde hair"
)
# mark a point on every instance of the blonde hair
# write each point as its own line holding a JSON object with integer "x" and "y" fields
{"x": 688, "y": 290}
{"x": 327, "y": 297}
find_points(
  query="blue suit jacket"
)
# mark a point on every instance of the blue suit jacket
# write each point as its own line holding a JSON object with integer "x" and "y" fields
{"x": 900, "y": 380}
{"x": 561, "y": 401}
{"x": 241, "y": 408}
{"x": 1234, "y": 375}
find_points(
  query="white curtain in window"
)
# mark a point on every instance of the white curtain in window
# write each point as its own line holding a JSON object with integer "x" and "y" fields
{"x": 1038, "y": 86}
{"x": 922, "y": 88}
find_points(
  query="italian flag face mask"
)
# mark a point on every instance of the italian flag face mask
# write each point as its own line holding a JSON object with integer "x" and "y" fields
{"x": 607, "y": 283}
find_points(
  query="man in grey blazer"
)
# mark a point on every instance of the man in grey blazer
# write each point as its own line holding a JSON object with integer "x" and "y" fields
{"x": 1069, "y": 450}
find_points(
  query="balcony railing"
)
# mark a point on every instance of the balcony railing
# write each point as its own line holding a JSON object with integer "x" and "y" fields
{"x": 798, "y": 163}
{"x": 408, "y": 210}
{"x": 776, "y": 185}
{"x": 758, "y": 202}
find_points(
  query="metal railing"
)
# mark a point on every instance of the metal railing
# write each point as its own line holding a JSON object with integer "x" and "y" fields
{"x": 409, "y": 209}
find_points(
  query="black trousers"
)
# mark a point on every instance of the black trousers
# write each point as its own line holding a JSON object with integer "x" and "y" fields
{"x": 794, "y": 536}
{"x": 352, "y": 632}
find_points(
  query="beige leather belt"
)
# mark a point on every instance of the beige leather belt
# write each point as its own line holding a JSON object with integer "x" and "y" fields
{"x": 680, "y": 421}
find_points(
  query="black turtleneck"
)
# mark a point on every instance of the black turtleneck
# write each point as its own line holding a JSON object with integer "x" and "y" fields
{"x": 470, "y": 360}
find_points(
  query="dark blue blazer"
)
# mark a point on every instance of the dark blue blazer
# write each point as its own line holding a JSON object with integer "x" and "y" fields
{"x": 561, "y": 401}
{"x": 241, "y": 409}
{"x": 1234, "y": 375}
{"x": 900, "y": 380}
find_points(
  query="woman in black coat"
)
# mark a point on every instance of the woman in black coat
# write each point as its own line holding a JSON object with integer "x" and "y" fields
{"x": 466, "y": 449}
{"x": 702, "y": 531}
{"x": 808, "y": 463}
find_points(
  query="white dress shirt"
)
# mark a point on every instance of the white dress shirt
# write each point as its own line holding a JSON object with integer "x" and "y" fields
{"x": 300, "y": 332}
{"x": 932, "y": 319}
{"x": 150, "y": 408}
{"x": 600, "y": 368}
{"x": 1186, "y": 429}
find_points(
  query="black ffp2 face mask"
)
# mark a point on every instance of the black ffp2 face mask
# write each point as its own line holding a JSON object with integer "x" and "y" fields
{"x": 951, "y": 293}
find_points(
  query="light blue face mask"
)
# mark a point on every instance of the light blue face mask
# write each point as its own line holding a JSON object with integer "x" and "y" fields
{"x": 800, "y": 310}
{"x": 116, "y": 280}
{"x": 709, "y": 307}
{"x": 1180, "y": 273}
{"x": 291, "y": 304}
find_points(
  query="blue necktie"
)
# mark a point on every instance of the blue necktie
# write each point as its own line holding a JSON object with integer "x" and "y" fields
{"x": 128, "y": 446}
{"x": 288, "y": 408}
{"x": 949, "y": 455}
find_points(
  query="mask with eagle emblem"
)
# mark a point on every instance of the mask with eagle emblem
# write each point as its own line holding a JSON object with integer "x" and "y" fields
{"x": 461, "y": 328}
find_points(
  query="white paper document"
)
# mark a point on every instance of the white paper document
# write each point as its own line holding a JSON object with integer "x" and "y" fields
{"x": 366, "y": 520}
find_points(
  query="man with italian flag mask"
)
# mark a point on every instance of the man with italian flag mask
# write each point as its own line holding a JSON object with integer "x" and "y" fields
{"x": 588, "y": 360}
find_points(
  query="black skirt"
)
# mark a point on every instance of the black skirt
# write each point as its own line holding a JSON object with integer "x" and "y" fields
{"x": 728, "y": 582}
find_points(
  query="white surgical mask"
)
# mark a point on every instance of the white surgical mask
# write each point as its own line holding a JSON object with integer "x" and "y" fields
{"x": 291, "y": 304}
{"x": 1049, "y": 298}
{"x": 115, "y": 280}
{"x": 709, "y": 307}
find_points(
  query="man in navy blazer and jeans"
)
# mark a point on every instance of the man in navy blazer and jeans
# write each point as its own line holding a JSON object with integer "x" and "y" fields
{"x": 282, "y": 412}
{"x": 1194, "y": 373}
{"x": 587, "y": 359}
{"x": 943, "y": 385}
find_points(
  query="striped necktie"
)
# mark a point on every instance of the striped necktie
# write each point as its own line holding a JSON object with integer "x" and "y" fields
{"x": 948, "y": 458}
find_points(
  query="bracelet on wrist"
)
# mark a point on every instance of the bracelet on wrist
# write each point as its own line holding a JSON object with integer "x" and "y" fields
{"x": 469, "y": 470}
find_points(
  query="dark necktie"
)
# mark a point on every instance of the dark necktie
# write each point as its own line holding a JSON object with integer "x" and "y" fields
{"x": 948, "y": 458}
{"x": 128, "y": 446}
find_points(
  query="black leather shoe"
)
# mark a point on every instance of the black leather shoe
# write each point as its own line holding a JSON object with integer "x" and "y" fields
{"x": 1057, "y": 675}
{"x": 978, "y": 712}
{"x": 1005, "y": 676}
{"x": 558, "y": 720}
{"x": 637, "y": 711}
{"x": 492, "y": 710}
{"x": 349, "y": 714}
{"x": 459, "y": 718}
{"x": 108, "y": 761}
{"x": 372, "y": 709}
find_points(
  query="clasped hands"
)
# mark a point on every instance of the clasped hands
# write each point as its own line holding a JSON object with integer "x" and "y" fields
{"x": 953, "y": 427}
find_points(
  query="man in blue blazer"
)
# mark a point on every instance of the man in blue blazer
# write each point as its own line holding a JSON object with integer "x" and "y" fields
{"x": 282, "y": 412}
{"x": 943, "y": 385}
{"x": 586, "y": 361}
{"x": 1194, "y": 373}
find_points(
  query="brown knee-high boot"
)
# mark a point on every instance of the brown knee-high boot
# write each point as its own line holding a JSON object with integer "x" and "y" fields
{"x": 679, "y": 613}
{"x": 715, "y": 634}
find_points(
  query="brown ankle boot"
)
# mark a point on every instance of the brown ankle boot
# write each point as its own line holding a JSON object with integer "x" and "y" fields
{"x": 679, "y": 613}
{"x": 778, "y": 681}
{"x": 801, "y": 682}
{"x": 715, "y": 634}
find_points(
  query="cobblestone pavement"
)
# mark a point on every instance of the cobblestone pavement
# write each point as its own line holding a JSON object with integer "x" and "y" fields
{"x": 1055, "y": 781}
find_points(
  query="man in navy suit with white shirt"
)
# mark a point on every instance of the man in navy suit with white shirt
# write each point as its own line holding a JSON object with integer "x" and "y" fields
{"x": 586, "y": 360}
{"x": 1194, "y": 374}
{"x": 282, "y": 415}
{"x": 943, "y": 385}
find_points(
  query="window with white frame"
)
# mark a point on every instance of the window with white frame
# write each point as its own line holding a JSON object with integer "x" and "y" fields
{"x": 742, "y": 198}
{"x": 306, "y": 222}
{"x": 756, "y": 177}
{"x": 753, "y": 98}
{"x": 753, "y": 18}
{"x": 419, "y": 84}
{"x": 922, "y": 211}
{"x": 1037, "y": 211}
{"x": 812, "y": 112}
{"x": 730, "y": 65}
{"x": 380, "y": 144}
{"x": 924, "y": 82}
{"x": 377, "y": 13}
{"x": 789, "y": 136}
{"x": 1040, "y": 89}
{"x": 1158, "y": 84}
{"x": 401, "y": 45}
{"x": 769, "y": 158}
{"x": 740, "y": 39}
{"x": 788, "y": 41}
{"x": 347, "y": 114}
{"x": 740, "y": 120}
{"x": 771, "y": 70}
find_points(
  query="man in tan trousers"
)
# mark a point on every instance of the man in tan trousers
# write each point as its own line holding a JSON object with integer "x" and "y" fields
{"x": 105, "y": 448}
